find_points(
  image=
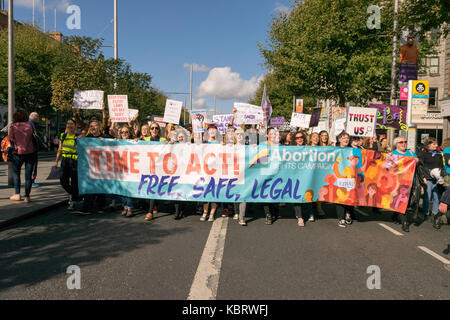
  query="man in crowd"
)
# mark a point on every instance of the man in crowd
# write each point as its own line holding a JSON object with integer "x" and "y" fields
{"x": 34, "y": 120}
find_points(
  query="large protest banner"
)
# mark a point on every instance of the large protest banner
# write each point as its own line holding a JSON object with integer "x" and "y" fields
{"x": 118, "y": 108}
{"x": 237, "y": 173}
{"x": 391, "y": 117}
{"x": 88, "y": 99}
{"x": 361, "y": 122}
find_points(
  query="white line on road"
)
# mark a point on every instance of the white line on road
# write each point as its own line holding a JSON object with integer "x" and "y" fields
{"x": 206, "y": 280}
{"x": 391, "y": 230}
{"x": 434, "y": 254}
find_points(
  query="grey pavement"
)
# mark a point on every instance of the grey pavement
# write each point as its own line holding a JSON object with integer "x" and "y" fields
{"x": 48, "y": 195}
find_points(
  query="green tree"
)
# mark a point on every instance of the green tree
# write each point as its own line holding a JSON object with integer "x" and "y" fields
{"x": 35, "y": 55}
{"x": 323, "y": 49}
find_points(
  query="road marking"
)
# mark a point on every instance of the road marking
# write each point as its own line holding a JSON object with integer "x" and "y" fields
{"x": 434, "y": 254}
{"x": 206, "y": 280}
{"x": 391, "y": 230}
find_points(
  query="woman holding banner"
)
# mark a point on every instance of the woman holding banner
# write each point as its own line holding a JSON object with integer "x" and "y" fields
{"x": 400, "y": 148}
{"x": 126, "y": 132}
{"x": 272, "y": 209}
{"x": 344, "y": 212}
{"x": 155, "y": 136}
{"x": 324, "y": 139}
{"x": 210, "y": 138}
{"x": 303, "y": 208}
{"x": 90, "y": 199}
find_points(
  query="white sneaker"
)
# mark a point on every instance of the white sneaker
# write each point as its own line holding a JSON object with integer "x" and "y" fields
{"x": 311, "y": 219}
{"x": 348, "y": 218}
{"x": 211, "y": 217}
{"x": 236, "y": 216}
{"x": 203, "y": 218}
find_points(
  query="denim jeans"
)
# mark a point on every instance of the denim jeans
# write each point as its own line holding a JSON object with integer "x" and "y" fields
{"x": 18, "y": 161}
{"x": 432, "y": 194}
{"x": 127, "y": 202}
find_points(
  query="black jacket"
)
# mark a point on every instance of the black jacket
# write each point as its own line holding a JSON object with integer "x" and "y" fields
{"x": 446, "y": 197}
{"x": 430, "y": 162}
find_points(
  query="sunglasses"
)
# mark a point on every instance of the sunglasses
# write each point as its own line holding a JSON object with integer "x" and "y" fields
{"x": 124, "y": 131}
{"x": 154, "y": 128}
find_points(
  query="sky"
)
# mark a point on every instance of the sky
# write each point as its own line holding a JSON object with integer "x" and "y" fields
{"x": 163, "y": 38}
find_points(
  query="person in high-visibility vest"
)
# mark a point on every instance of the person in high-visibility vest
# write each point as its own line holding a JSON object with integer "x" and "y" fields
{"x": 67, "y": 151}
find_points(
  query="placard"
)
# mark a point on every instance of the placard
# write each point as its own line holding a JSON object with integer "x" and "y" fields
{"x": 391, "y": 117}
{"x": 299, "y": 105}
{"x": 172, "y": 111}
{"x": 88, "y": 99}
{"x": 198, "y": 120}
{"x": 118, "y": 108}
{"x": 315, "y": 117}
{"x": 361, "y": 122}
{"x": 300, "y": 120}
{"x": 132, "y": 113}
{"x": 277, "y": 122}
{"x": 159, "y": 120}
{"x": 222, "y": 121}
{"x": 248, "y": 113}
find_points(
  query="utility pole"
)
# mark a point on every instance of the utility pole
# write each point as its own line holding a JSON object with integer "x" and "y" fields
{"x": 116, "y": 36}
{"x": 394, "y": 65}
{"x": 11, "y": 100}
{"x": 190, "y": 91}
{"x": 43, "y": 11}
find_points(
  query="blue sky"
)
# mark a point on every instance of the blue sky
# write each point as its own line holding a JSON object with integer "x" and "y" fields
{"x": 163, "y": 37}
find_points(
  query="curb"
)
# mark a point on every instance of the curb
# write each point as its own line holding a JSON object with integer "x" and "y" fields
{"x": 10, "y": 222}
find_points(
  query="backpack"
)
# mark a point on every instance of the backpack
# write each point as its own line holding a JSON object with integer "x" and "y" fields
{"x": 7, "y": 148}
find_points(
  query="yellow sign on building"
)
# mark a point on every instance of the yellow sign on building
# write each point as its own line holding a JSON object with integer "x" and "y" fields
{"x": 421, "y": 89}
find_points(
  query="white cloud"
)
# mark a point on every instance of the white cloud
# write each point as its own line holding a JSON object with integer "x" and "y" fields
{"x": 199, "y": 104}
{"x": 282, "y": 8}
{"x": 60, "y": 5}
{"x": 196, "y": 67}
{"x": 225, "y": 85}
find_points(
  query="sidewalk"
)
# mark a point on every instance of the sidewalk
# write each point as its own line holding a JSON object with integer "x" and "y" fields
{"x": 47, "y": 196}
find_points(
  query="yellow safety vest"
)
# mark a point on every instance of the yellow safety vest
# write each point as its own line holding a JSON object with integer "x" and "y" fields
{"x": 149, "y": 139}
{"x": 69, "y": 146}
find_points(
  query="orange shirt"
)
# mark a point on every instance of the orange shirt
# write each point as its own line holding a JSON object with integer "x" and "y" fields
{"x": 409, "y": 53}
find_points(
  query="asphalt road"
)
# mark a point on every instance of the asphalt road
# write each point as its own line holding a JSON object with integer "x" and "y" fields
{"x": 128, "y": 258}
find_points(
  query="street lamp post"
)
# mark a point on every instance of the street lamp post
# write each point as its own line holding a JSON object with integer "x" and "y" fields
{"x": 116, "y": 42}
{"x": 394, "y": 64}
{"x": 11, "y": 100}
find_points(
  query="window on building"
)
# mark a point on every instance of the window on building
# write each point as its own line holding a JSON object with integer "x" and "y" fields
{"x": 434, "y": 65}
{"x": 433, "y": 102}
{"x": 422, "y": 68}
